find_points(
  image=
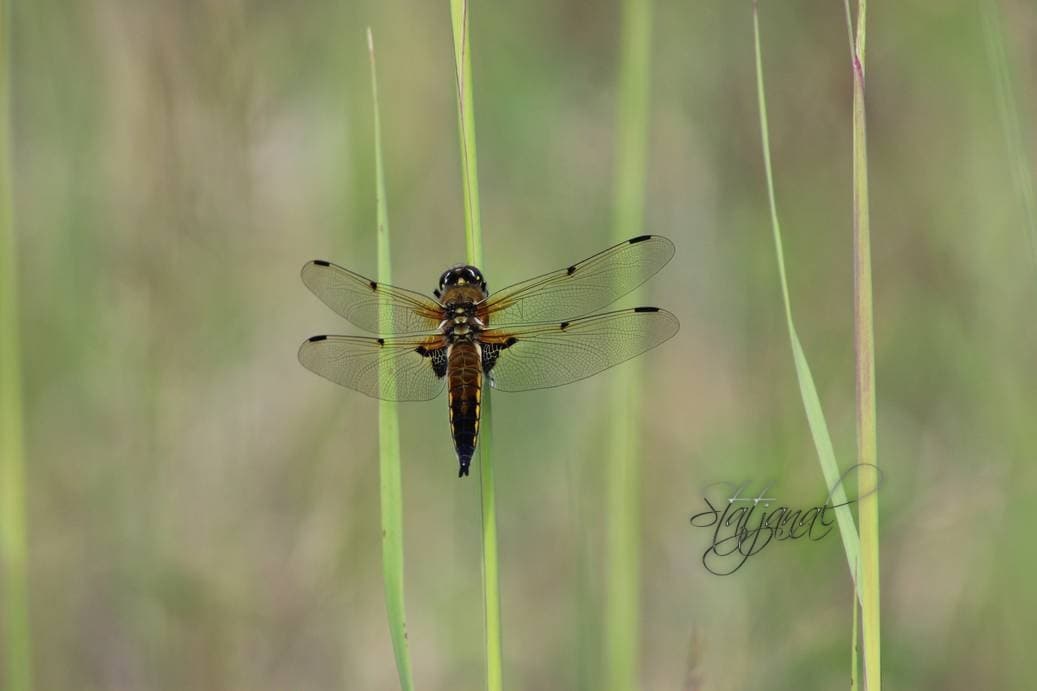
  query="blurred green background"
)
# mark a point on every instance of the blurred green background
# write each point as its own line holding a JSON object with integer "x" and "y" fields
{"x": 203, "y": 511}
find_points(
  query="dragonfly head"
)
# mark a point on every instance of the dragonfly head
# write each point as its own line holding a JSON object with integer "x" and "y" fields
{"x": 462, "y": 274}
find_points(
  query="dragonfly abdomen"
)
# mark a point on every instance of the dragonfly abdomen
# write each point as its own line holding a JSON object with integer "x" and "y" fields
{"x": 464, "y": 377}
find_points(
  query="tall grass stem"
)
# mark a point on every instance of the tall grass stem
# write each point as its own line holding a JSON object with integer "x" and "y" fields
{"x": 460, "y": 21}
{"x": 389, "y": 472}
{"x": 459, "y": 14}
{"x": 855, "y": 665}
{"x": 17, "y": 649}
{"x": 864, "y": 349}
{"x": 623, "y": 486}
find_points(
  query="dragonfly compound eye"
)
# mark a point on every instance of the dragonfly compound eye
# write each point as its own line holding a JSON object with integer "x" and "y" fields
{"x": 461, "y": 274}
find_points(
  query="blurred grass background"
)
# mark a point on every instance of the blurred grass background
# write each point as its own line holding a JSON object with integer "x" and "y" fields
{"x": 203, "y": 512}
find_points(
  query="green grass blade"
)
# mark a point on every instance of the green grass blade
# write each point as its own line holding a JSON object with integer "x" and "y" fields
{"x": 855, "y": 645}
{"x": 491, "y": 564}
{"x": 17, "y": 652}
{"x": 390, "y": 480}
{"x": 807, "y": 390}
{"x": 622, "y": 601}
{"x": 459, "y": 15}
{"x": 459, "y": 10}
{"x": 1008, "y": 114}
{"x": 864, "y": 347}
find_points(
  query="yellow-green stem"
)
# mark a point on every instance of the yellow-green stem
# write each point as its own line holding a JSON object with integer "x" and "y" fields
{"x": 17, "y": 652}
{"x": 460, "y": 16}
{"x": 622, "y": 604}
{"x": 864, "y": 347}
{"x": 389, "y": 473}
{"x": 491, "y": 564}
{"x": 855, "y": 645}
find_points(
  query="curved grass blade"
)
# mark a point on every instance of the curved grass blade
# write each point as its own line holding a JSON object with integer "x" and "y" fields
{"x": 808, "y": 391}
{"x": 390, "y": 480}
{"x": 459, "y": 16}
{"x": 13, "y": 539}
{"x": 622, "y": 605}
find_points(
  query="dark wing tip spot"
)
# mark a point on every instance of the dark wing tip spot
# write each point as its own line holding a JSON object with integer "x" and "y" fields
{"x": 646, "y": 309}
{"x": 570, "y": 271}
{"x": 314, "y": 339}
{"x": 564, "y": 325}
{"x": 321, "y": 262}
{"x": 381, "y": 341}
{"x": 639, "y": 238}
{"x": 374, "y": 285}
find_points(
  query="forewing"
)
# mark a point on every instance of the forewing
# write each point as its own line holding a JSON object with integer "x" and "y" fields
{"x": 393, "y": 369}
{"x": 360, "y": 300}
{"x": 541, "y": 356}
{"x": 581, "y": 288}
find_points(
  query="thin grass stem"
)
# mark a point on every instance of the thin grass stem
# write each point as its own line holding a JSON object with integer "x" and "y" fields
{"x": 13, "y": 529}
{"x": 459, "y": 10}
{"x": 855, "y": 645}
{"x": 389, "y": 472}
{"x": 807, "y": 389}
{"x": 864, "y": 349}
{"x": 459, "y": 14}
{"x": 623, "y": 486}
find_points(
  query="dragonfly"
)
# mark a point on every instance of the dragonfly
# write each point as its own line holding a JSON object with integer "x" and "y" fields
{"x": 543, "y": 332}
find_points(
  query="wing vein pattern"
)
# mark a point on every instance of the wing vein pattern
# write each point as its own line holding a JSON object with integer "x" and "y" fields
{"x": 582, "y": 288}
{"x": 359, "y": 300}
{"x": 401, "y": 369}
{"x": 553, "y": 354}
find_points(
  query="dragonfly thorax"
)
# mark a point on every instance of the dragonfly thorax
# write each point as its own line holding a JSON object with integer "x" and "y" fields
{"x": 461, "y": 322}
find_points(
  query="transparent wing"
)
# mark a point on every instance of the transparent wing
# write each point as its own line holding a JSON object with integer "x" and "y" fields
{"x": 360, "y": 300}
{"x": 540, "y": 356}
{"x": 393, "y": 369}
{"x": 581, "y": 288}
